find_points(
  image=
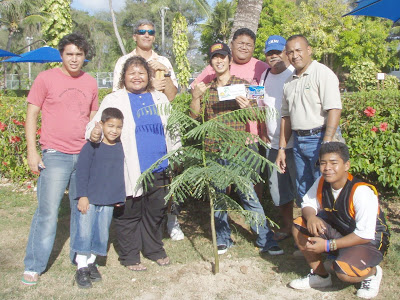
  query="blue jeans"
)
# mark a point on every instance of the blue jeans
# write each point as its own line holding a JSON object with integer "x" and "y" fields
{"x": 306, "y": 151}
{"x": 282, "y": 186}
{"x": 251, "y": 203}
{"x": 93, "y": 230}
{"x": 59, "y": 173}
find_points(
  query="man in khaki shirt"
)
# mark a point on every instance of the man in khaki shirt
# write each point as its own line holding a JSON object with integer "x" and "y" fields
{"x": 311, "y": 109}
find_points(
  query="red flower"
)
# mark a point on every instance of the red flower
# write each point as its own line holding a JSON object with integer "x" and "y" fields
{"x": 383, "y": 126}
{"x": 29, "y": 186}
{"x": 369, "y": 111}
{"x": 16, "y": 122}
{"x": 3, "y": 126}
{"x": 4, "y": 163}
{"x": 15, "y": 139}
{"x": 374, "y": 129}
{"x": 39, "y": 131}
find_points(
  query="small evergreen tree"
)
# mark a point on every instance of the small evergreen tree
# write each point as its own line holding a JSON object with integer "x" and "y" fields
{"x": 203, "y": 177}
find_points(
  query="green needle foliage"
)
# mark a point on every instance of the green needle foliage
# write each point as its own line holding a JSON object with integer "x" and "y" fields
{"x": 203, "y": 174}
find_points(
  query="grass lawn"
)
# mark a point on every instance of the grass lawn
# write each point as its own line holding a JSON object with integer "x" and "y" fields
{"x": 244, "y": 274}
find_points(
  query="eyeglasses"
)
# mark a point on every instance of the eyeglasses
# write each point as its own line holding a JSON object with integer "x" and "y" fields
{"x": 143, "y": 31}
{"x": 244, "y": 45}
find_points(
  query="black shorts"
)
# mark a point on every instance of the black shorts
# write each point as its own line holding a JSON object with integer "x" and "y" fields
{"x": 354, "y": 261}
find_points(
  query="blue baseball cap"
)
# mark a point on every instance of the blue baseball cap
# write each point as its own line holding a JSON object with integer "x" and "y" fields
{"x": 275, "y": 42}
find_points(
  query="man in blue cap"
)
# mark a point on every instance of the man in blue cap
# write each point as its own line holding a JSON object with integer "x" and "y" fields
{"x": 282, "y": 186}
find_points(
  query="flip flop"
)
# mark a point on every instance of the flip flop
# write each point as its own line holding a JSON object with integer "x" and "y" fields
{"x": 30, "y": 278}
{"x": 163, "y": 261}
{"x": 137, "y": 267}
{"x": 280, "y": 236}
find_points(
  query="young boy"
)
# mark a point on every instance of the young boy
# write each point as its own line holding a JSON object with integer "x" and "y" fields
{"x": 100, "y": 186}
{"x": 341, "y": 215}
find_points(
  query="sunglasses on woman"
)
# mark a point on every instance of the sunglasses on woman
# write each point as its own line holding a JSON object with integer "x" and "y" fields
{"x": 143, "y": 31}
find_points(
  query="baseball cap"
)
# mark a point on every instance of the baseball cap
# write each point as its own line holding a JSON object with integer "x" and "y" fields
{"x": 275, "y": 42}
{"x": 220, "y": 48}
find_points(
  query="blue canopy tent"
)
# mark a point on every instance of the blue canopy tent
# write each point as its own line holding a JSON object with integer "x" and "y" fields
{"x": 388, "y": 9}
{"x": 4, "y": 53}
{"x": 41, "y": 55}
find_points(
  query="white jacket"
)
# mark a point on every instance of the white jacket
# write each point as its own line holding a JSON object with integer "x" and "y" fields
{"x": 120, "y": 100}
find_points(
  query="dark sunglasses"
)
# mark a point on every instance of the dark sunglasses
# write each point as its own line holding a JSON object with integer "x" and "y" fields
{"x": 143, "y": 31}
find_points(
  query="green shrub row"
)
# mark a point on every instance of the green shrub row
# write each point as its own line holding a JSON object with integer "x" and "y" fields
{"x": 370, "y": 124}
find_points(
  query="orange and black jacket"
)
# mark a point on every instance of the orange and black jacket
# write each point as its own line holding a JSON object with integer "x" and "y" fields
{"x": 340, "y": 213}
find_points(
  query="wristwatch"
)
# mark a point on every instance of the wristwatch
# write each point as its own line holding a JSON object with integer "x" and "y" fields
{"x": 167, "y": 74}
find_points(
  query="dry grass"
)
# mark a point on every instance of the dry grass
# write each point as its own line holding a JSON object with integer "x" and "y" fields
{"x": 244, "y": 273}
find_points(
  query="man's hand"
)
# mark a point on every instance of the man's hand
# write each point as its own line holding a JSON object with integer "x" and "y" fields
{"x": 243, "y": 102}
{"x": 315, "y": 226}
{"x": 199, "y": 90}
{"x": 315, "y": 245}
{"x": 83, "y": 204}
{"x": 157, "y": 66}
{"x": 159, "y": 84}
{"x": 95, "y": 135}
{"x": 34, "y": 159}
{"x": 281, "y": 160}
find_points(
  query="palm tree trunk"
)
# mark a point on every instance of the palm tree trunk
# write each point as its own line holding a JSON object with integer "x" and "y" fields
{"x": 247, "y": 15}
{"x": 121, "y": 45}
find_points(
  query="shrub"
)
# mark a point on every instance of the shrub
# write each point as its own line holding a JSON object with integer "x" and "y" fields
{"x": 13, "y": 162}
{"x": 363, "y": 77}
{"x": 370, "y": 124}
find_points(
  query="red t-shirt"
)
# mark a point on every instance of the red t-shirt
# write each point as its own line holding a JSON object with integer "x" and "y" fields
{"x": 66, "y": 103}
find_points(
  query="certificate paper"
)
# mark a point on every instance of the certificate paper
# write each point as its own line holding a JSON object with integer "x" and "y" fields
{"x": 230, "y": 92}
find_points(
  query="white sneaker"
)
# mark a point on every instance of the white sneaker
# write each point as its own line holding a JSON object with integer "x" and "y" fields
{"x": 174, "y": 230}
{"x": 370, "y": 286}
{"x": 311, "y": 281}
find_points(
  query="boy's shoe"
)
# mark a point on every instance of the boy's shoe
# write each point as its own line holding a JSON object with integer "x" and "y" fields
{"x": 30, "y": 278}
{"x": 82, "y": 278}
{"x": 311, "y": 281}
{"x": 222, "y": 248}
{"x": 94, "y": 273}
{"x": 274, "y": 250}
{"x": 370, "y": 286}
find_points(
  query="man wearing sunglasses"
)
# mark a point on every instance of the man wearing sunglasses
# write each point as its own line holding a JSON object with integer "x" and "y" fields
{"x": 164, "y": 80}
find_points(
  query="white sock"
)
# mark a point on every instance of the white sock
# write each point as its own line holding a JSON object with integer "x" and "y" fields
{"x": 172, "y": 219}
{"x": 91, "y": 259}
{"x": 81, "y": 260}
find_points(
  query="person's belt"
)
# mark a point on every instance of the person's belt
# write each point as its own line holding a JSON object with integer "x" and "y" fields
{"x": 310, "y": 131}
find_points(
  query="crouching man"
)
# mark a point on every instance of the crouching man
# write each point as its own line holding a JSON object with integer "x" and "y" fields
{"x": 341, "y": 216}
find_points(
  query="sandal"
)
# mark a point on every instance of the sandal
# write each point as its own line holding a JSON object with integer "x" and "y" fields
{"x": 163, "y": 261}
{"x": 137, "y": 267}
{"x": 30, "y": 278}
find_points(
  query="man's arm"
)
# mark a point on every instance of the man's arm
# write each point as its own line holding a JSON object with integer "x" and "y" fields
{"x": 332, "y": 124}
{"x": 92, "y": 114}
{"x": 197, "y": 93}
{"x": 34, "y": 159}
{"x": 286, "y": 132}
{"x": 165, "y": 84}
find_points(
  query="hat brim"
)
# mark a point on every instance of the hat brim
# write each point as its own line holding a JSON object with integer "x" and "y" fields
{"x": 222, "y": 52}
{"x": 274, "y": 47}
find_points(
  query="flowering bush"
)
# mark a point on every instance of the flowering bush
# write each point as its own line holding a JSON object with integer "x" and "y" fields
{"x": 370, "y": 124}
{"x": 12, "y": 140}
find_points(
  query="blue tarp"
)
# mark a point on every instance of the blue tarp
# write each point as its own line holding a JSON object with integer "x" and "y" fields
{"x": 4, "y": 53}
{"x": 41, "y": 55}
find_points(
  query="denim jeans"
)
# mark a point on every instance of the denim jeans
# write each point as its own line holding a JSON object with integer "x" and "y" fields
{"x": 306, "y": 151}
{"x": 282, "y": 186}
{"x": 250, "y": 202}
{"x": 92, "y": 230}
{"x": 53, "y": 180}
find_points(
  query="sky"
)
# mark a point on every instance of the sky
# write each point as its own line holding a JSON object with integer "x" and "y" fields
{"x": 92, "y": 6}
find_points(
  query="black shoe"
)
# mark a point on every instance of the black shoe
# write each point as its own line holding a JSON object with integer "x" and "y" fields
{"x": 94, "y": 274}
{"x": 82, "y": 278}
{"x": 222, "y": 249}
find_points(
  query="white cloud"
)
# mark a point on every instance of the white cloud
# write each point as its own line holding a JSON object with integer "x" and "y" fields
{"x": 97, "y": 5}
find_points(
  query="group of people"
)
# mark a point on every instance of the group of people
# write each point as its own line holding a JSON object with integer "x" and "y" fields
{"x": 99, "y": 153}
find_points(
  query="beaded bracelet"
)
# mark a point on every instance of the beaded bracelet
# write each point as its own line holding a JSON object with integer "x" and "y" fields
{"x": 332, "y": 245}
